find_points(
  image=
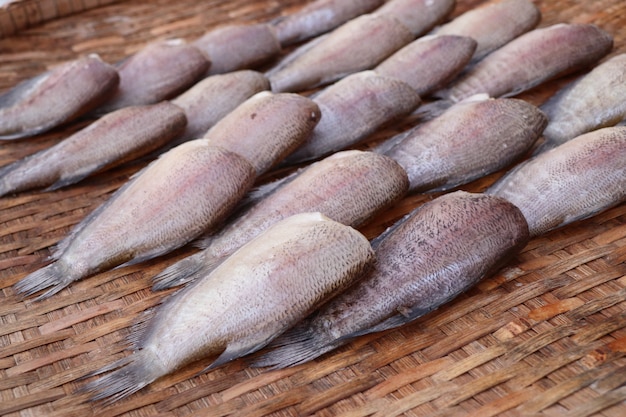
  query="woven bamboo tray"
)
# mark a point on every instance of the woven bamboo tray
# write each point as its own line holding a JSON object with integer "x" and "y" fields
{"x": 545, "y": 336}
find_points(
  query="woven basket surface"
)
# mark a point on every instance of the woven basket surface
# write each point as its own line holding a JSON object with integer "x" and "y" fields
{"x": 544, "y": 336}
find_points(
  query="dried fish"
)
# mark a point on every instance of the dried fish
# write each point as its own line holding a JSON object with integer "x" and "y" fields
{"x": 430, "y": 62}
{"x": 470, "y": 140}
{"x": 115, "y": 138}
{"x": 186, "y": 191}
{"x": 319, "y": 17}
{"x": 573, "y": 181}
{"x": 494, "y": 25}
{"x": 159, "y": 71}
{"x": 529, "y": 60}
{"x": 211, "y": 99}
{"x": 422, "y": 262}
{"x": 355, "y": 46}
{"x": 235, "y": 47}
{"x": 261, "y": 290}
{"x": 349, "y": 187}
{"x": 418, "y": 15}
{"x": 352, "y": 109}
{"x": 266, "y": 127}
{"x": 594, "y": 101}
{"x": 56, "y": 97}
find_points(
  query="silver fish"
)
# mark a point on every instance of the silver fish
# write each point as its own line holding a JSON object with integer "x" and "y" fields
{"x": 56, "y": 97}
{"x": 115, "y": 138}
{"x": 260, "y": 291}
{"x": 596, "y": 100}
{"x": 430, "y": 62}
{"x": 355, "y": 46}
{"x": 186, "y": 191}
{"x": 573, "y": 181}
{"x": 529, "y": 60}
{"x": 159, "y": 71}
{"x": 354, "y": 108}
{"x": 418, "y": 15}
{"x": 235, "y": 47}
{"x": 266, "y": 128}
{"x": 319, "y": 17}
{"x": 211, "y": 99}
{"x": 468, "y": 141}
{"x": 494, "y": 25}
{"x": 428, "y": 258}
{"x": 349, "y": 187}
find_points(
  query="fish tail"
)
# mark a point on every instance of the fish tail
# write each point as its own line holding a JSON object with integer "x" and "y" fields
{"x": 185, "y": 270}
{"x": 52, "y": 277}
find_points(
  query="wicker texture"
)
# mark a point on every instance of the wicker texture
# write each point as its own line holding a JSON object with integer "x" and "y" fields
{"x": 545, "y": 336}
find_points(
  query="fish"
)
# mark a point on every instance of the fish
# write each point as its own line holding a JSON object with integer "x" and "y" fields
{"x": 209, "y": 100}
{"x": 493, "y": 25}
{"x": 266, "y": 128}
{"x": 159, "y": 71}
{"x": 56, "y": 97}
{"x": 531, "y": 59}
{"x": 469, "y": 140}
{"x": 115, "y": 138}
{"x": 349, "y": 187}
{"x": 419, "y": 16}
{"x": 189, "y": 189}
{"x": 238, "y": 46}
{"x": 357, "y": 45}
{"x": 352, "y": 109}
{"x": 430, "y": 62}
{"x": 573, "y": 181}
{"x": 594, "y": 101}
{"x": 319, "y": 17}
{"x": 265, "y": 287}
{"x": 429, "y": 257}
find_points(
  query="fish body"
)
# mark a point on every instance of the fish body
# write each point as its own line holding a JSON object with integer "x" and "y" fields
{"x": 319, "y": 17}
{"x": 532, "y": 58}
{"x": 209, "y": 100}
{"x": 594, "y": 101}
{"x": 349, "y": 187}
{"x": 354, "y": 108}
{"x": 236, "y": 47}
{"x": 435, "y": 253}
{"x": 418, "y": 15}
{"x": 573, "y": 181}
{"x": 188, "y": 190}
{"x": 116, "y": 137}
{"x": 429, "y": 62}
{"x": 468, "y": 141}
{"x": 261, "y": 290}
{"x": 266, "y": 128}
{"x": 494, "y": 25}
{"x": 159, "y": 71}
{"x": 56, "y": 97}
{"x": 357, "y": 45}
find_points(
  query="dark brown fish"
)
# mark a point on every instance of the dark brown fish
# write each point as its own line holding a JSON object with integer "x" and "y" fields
{"x": 56, "y": 97}
{"x": 573, "y": 181}
{"x": 468, "y": 141}
{"x": 418, "y": 15}
{"x": 352, "y": 109}
{"x": 186, "y": 191}
{"x": 236, "y": 47}
{"x": 159, "y": 71}
{"x": 349, "y": 187}
{"x": 428, "y": 258}
{"x": 319, "y": 17}
{"x": 260, "y": 291}
{"x": 430, "y": 62}
{"x": 117, "y": 137}
{"x": 529, "y": 60}
{"x": 357, "y": 45}
{"x": 494, "y": 25}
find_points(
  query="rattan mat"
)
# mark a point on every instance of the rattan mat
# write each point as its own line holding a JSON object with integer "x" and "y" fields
{"x": 545, "y": 336}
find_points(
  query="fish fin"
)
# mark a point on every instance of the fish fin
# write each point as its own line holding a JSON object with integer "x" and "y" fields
{"x": 432, "y": 110}
{"x": 51, "y": 276}
{"x": 405, "y": 315}
{"x": 236, "y": 350}
{"x": 184, "y": 271}
{"x": 69, "y": 180}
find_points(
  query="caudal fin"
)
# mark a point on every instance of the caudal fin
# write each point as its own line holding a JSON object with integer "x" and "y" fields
{"x": 52, "y": 277}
